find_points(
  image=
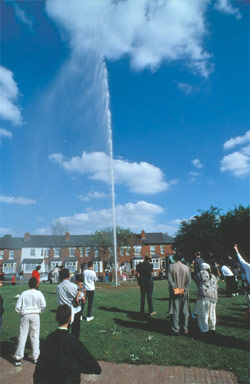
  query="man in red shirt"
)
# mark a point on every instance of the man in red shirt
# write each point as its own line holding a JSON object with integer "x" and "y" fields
{"x": 36, "y": 274}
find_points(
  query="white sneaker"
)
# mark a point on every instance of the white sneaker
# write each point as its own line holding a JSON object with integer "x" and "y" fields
{"x": 90, "y": 318}
{"x": 81, "y": 318}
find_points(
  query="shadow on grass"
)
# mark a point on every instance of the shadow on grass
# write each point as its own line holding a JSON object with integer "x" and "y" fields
{"x": 131, "y": 314}
{"x": 224, "y": 341}
{"x": 53, "y": 310}
{"x": 233, "y": 322}
{"x": 152, "y": 325}
{"x": 8, "y": 348}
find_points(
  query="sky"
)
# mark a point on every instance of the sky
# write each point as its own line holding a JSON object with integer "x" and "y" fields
{"x": 173, "y": 75}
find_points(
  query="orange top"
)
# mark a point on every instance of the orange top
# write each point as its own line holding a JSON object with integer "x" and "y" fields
{"x": 36, "y": 274}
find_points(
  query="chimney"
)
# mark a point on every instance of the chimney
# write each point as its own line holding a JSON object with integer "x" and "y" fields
{"x": 67, "y": 236}
{"x": 27, "y": 236}
{"x": 143, "y": 235}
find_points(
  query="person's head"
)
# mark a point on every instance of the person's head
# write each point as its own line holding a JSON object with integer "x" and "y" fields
{"x": 64, "y": 274}
{"x": 63, "y": 314}
{"x": 32, "y": 283}
{"x": 147, "y": 259}
{"x": 79, "y": 278}
{"x": 38, "y": 267}
{"x": 90, "y": 264}
{"x": 198, "y": 254}
{"x": 178, "y": 256}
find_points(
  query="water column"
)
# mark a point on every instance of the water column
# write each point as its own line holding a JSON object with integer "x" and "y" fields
{"x": 110, "y": 143}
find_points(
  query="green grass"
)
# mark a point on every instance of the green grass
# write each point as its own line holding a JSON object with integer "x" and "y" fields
{"x": 119, "y": 335}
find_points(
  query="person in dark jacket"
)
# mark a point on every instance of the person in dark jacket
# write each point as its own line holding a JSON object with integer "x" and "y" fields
{"x": 145, "y": 280}
{"x": 197, "y": 264}
{"x": 63, "y": 357}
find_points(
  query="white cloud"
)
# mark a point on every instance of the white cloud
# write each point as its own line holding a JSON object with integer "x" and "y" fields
{"x": 5, "y": 231}
{"x": 136, "y": 216}
{"x": 23, "y": 17}
{"x": 173, "y": 182}
{"x": 142, "y": 178}
{"x": 5, "y": 134}
{"x": 231, "y": 143}
{"x": 186, "y": 88}
{"x": 93, "y": 195}
{"x": 197, "y": 163}
{"x": 16, "y": 200}
{"x": 194, "y": 175}
{"x": 148, "y": 32}
{"x": 8, "y": 95}
{"x": 225, "y": 6}
{"x": 237, "y": 163}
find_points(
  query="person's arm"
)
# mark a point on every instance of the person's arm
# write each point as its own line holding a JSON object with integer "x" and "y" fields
{"x": 240, "y": 258}
{"x": 171, "y": 281}
{"x": 19, "y": 304}
{"x": 42, "y": 302}
{"x": 188, "y": 281}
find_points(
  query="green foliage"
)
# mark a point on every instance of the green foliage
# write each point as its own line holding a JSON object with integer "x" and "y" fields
{"x": 214, "y": 234}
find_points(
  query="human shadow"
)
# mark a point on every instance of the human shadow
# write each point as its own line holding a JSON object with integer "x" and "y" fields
{"x": 131, "y": 314}
{"x": 230, "y": 321}
{"x": 223, "y": 341}
{"x": 152, "y": 325}
{"x": 8, "y": 348}
{"x": 53, "y": 310}
{"x": 161, "y": 298}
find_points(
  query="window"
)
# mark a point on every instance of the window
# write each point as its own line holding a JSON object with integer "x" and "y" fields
{"x": 122, "y": 251}
{"x": 72, "y": 252}
{"x": 81, "y": 252}
{"x": 32, "y": 252}
{"x": 87, "y": 251}
{"x": 11, "y": 255}
{"x": 135, "y": 262}
{"x": 96, "y": 252}
{"x": 56, "y": 252}
{"x": 54, "y": 263}
{"x": 46, "y": 252}
{"x": 137, "y": 250}
{"x": 28, "y": 268}
{"x": 98, "y": 266}
{"x": 156, "y": 263}
{"x": 71, "y": 265}
{"x": 163, "y": 263}
{"x": 8, "y": 268}
{"x": 1, "y": 254}
{"x": 162, "y": 249}
{"x": 152, "y": 249}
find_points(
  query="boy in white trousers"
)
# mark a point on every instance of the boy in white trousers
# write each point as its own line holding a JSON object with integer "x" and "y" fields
{"x": 30, "y": 304}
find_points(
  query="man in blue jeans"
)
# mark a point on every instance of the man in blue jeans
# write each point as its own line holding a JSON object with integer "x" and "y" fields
{"x": 89, "y": 285}
{"x": 145, "y": 280}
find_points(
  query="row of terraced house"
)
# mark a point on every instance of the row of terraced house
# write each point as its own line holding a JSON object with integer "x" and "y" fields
{"x": 25, "y": 253}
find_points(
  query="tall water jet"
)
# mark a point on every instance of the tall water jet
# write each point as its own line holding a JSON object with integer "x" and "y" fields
{"x": 110, "y": 143}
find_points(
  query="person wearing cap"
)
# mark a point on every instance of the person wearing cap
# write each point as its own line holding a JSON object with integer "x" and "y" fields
{"x": 205, "y": 306}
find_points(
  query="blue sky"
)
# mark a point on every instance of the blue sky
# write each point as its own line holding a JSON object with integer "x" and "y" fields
{"x": 177, "y": 74}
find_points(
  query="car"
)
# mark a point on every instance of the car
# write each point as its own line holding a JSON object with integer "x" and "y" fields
{"x": 8, "y": 277}
{"x": 44, "y": 277}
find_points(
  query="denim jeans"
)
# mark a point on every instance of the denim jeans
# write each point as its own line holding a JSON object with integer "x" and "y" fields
{"x": 147, "y": 290}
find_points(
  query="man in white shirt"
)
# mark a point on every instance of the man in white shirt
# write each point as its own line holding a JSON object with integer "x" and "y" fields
{"x": 89, "y": 286}
{"x": 231, "y": 286}
{"x": 30, "y": 304}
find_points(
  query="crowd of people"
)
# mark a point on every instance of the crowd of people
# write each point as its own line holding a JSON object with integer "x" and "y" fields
{"x": 63, "y": 357}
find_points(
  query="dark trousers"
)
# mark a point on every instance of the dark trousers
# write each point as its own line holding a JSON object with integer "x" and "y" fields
{"x": 147, "y": 290}
{"x": 90, "y": 297}
{"x": 75, "y": 326}
{"x": 231, "y": 285}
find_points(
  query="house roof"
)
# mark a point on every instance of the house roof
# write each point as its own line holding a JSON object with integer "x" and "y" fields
{"x": 59, "y": 241}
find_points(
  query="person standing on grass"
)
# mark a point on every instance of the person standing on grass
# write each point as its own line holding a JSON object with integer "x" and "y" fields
{"x": 231, "y": 286}
{"x": 13, "y": 279}
{"x": 197, "y": 264}
{"x": 63, "y": 357}
{"x": 29, "y": 305}
{"x": 145, "y": 280}
{"x": 89, "y": 285}
{"x": 36, "y": 275}
{"x": 67, "y": 292}
{"x": 179, "y": 279}
{"x": 246, "y": 267}
{"x": 205, "y": 306}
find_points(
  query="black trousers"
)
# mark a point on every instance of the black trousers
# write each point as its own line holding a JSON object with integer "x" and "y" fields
{"x": 90, "y": 297}
{"x": 75, "y": 326}
{"x": 147, "y": 290}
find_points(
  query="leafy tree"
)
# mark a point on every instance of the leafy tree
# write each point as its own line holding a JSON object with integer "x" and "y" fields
{"x": 199, "y": 233}
{"x": 234, "y": 228}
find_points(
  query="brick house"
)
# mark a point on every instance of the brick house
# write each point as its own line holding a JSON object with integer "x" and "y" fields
{"x": 25, "y": 253}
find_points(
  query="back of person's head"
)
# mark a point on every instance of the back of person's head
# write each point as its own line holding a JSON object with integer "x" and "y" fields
{"x": 90, "y": 263}
{"x": 63, "y": 313}
{"x": 198, "y": 254}
{"x": 147, "y": 259}
{"x": 79, "y": 278}
{"x": 178, "y": 256}
{"x": 32, "y": 283}
{"x": 64, "y": 273}
{"x": 38, "y": 267}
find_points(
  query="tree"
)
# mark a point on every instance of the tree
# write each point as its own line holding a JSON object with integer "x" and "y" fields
{"x": 103, "y": 239}
{"x": 199, "y": 233}
{"x": 57, "y": 227}
{"x": 234, "y": 228}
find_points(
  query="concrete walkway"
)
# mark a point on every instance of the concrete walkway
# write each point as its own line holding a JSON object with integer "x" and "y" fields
{"x": 125, "y": 374}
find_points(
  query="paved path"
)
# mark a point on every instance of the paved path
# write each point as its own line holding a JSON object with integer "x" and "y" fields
{"x": 125, "y": 374}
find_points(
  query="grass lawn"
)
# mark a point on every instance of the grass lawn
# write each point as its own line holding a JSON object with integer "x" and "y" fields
{"x": 119, "y": 335}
